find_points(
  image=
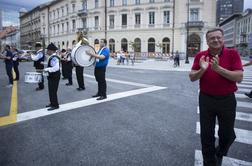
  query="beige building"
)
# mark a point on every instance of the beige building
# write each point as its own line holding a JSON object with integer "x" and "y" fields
{"x": 134, "y": 25}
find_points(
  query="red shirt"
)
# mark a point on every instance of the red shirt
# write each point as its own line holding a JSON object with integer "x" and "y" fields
{"x": 213, "y": 83}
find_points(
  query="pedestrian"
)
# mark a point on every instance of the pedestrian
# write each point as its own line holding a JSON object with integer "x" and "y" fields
{"x": 38, "y": 59}
{"x": 53, "y": 69}
{"x": 217, "y": 69}
{"x": 102, "y": 58}
{"x": 177, "y": 58}
{"x": 249, "y": 94}
{"x": 15, "y": 62}
{"x": 7, "y": 56}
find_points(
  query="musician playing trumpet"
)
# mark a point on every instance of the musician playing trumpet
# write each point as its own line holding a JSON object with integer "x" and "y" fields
{"x": 38, "y": 59}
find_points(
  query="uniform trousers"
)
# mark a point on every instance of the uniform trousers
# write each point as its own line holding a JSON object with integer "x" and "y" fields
{"x": 100, "y": 78}
{"x": 80, "y": 78}
{"x": 15, "y": 67}
{"x": 53, "y": 84}
{"x": 41, "y": 84}
{"x": 69, "y": 68}
{"x": 224, "y": 109}
{"x": 8, "y": 67}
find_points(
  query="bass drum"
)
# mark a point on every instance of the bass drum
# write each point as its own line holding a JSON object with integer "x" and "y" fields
{"x": 79, "y": 56}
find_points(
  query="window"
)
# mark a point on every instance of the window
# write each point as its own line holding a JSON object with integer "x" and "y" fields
{"x": 58, "y": 13}
{"x": 62, "y": 11}
{"x": 152, "y": 1}
{"x": 166, "y": 0}
{"x": 84, "y": 22}
{"x": 62, "y": 27}
{"x": 124, "y": 20}
{"x": 84, "y": 5}
{"x": 96, "y": 3}
{"x": 137, "y": 2}
{"x": 58, "y": 28}
{"x": 194, "y": 14}
{"x": 137, "y": 19}
{"x": 151, "y": 18}
{"x": 96, "y": 22}
{"x": 73, "y": 7}
{"x": 111, "y": 21}
{"x": 67, "y": 9}
{"x": 166, "y": 17}
{"x": 74, "y": 25}
{"x": 124, "y": 2}
{"x": 67, "y": 24}
{"x": 112, "y": 3}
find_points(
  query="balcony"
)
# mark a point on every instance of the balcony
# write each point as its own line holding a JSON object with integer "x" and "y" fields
{"x": 82, "y": 12}
{"x": 195, "y": 24}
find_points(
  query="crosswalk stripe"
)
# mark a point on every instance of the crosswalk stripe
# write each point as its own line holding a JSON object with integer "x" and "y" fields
{"x": 245, "y": 86}
{"x": 244, "y": 104}
{"x": 246, "y": 82}
{"x": 239, "y": 95}
{"x": 239, "y": 116}
{"x": 227, "y": 161}
{"x": 246, "y": 79}
{"x": 244, "y": 90}
{"x": 242, "y": 136}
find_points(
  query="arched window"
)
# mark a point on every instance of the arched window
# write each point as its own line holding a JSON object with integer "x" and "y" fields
{"x": 124, "y": 44}
{"x": 193, "y": 44}
{"x": 151, "y": 45}
{"x": 137, "y": 45}
{"x": 112, "y": 45}
{"x": 166, "y": 45}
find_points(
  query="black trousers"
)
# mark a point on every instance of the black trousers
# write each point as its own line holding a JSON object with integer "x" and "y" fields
{"x": 79, "y": 74}
{"x": 53, "y": 84}
{"x": 224, "y": 108}
{"x": 100, "y": 78}
{"x": 69, "y": 68}
{"x": 8, "y": 68}
{"x": 41, "y": 84}
{"x": 63, "y": 68}
{"x": 15, "y": 67}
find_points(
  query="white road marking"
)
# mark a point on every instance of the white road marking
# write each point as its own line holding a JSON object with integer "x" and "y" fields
{"x": 242, "y": 136}
{"x": 78, "y": 104}
{"x": 244, "y": 104}
{"x": 227, "y": 161}
{"x": 239, "y": 116}
{"x": 121, "y": 82}
{"x": 246, "y": 82}
{"x": 245, "y": 86}
{"x": 244, "y": 90}
{"x": 239, "y": 95}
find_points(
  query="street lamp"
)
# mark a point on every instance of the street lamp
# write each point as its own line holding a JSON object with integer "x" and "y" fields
{"x": 187, "y": 33}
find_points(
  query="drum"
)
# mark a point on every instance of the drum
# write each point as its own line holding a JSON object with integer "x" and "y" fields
{"x": 79, "y": 56}
{"x": 33, "y": 77}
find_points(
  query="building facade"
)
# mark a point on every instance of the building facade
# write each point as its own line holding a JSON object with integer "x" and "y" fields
{"x": 238, "y": 32}
{"x": 146, "y": 26}
{"x": 226, "y": 8}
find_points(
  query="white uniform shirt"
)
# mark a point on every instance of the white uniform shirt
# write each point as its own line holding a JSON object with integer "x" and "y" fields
{"x": 54, "y": 63}
{"x": 37, "y": 56}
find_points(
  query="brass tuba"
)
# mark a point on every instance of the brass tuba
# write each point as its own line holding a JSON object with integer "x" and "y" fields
{"x": 81, "y": 39}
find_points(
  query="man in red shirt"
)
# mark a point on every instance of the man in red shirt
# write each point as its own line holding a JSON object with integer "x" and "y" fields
{"x": 217, "y": 69}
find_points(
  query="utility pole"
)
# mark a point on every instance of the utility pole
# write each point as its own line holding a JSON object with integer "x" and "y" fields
{"x": 187, "y": 33}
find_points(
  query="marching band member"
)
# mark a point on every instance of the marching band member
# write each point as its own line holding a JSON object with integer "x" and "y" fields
{"x": 102, "y": 58}
{"x": 69, "y": 67}
{"x": 15, "y": 62}
{"x": 53, "y": 69}
{"x": 38, "y": 59}
{"x": 7, "y": 56}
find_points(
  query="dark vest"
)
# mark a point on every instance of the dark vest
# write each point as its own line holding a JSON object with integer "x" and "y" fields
{"x": 53, "y": 74}
{"x": 37, "y": 64}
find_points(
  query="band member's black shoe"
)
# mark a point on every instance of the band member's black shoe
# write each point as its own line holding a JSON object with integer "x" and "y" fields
{"x": 68, "y": 84}
{"x": 101, "y": 98}
{"x": 80, "y": 89}
{"x": 96, "y": 95}
{"x": 37, "y": 89}
{"x": 219, "y": 160}
{"x": 49, "y": 105}
{"x": 53, "y": 108}
{"x": 248, "y": 94}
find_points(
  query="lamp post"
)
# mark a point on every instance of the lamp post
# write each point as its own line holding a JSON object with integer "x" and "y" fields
{"x": 187, "y": 33}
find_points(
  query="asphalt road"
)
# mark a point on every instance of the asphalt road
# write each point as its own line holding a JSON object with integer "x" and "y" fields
{"x": 149, "y": 119}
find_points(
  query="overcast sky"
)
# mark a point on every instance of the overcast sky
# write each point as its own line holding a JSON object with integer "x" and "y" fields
{"x": 11, "y": 8}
